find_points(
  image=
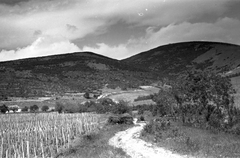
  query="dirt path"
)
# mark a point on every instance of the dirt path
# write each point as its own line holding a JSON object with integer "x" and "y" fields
{"x": 129, "y": 141}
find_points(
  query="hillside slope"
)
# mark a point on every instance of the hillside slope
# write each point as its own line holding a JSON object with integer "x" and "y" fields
{"x": 172, "y": 59}
{"x": 58, "y": 74}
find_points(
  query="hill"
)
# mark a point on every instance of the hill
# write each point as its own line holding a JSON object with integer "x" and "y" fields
{"x": 75, "y": 72}
{"x": 172, "y": 59}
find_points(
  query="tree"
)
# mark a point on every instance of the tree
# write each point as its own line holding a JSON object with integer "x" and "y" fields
{"x": 14, "y": 108}
{"x": 25, "y": 109}
{"x": 87, "y": 95}
{"x": 4, "y": 108}
{"x": 45, "y": 108}
{"x": 165, "y": 103}
{"x": 202, "y": 95}
{"x": 34, "y": 108}
{"x": 59, "y": 107}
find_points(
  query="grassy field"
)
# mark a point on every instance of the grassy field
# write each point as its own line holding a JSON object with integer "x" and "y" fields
{"x": 192, "y": 141}
{"x": 96, "y": 145}
{"x": 130, "y": 96}
{"x": 43, "y": 135}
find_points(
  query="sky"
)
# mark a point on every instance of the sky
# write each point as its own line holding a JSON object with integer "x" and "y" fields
{"x": 113, "y": 28}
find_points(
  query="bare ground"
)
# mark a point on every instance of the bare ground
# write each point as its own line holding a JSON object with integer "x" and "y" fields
{"x": 130, "y": 143}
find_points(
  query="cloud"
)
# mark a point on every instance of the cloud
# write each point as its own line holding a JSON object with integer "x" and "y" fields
{"x": 223, "y": 30}
{"x": 43, "y": 46}
{"x": 91, "y": 16}
{"x": 25, "y": 26}
{"x": 71, "y": 28}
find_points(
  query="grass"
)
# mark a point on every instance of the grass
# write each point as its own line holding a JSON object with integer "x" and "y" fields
{"x": 95, "y": 145}
{"x": 193, "y": 141}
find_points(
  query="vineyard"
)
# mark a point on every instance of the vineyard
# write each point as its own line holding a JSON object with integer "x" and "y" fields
{"x": 42, "y": 135}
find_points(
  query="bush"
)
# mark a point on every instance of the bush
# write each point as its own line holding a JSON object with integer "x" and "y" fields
{"x": 45, "y": 108}
{"x": 59, "y": 107}
{"x": 25, "y": 109}
{"x": 205, "y": 97}
{"x": 165, "y": 103}
{"x": 121, "y": 119}
{"x": 34, "y": 108}
{"x": 141, "y": 118}
{"x": 70, "y": 107}
{"x": 4, "y": 108}
{"x": 121, "y": 108}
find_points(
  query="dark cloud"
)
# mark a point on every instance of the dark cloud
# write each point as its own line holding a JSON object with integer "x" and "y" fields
{"x": 118, "y": 26}
{"x": 37, "y": 33}
{"x": 71, "y": 28}
{"x": 12, "y": 2}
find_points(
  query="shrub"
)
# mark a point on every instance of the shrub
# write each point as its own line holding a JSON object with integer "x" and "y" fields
{"x": 45, "y": 108}
{"x": 205, "y": 97}
{"x": 4, "y": 108}
{"x": 141, "y": 118}
{"x": 59, "y": 107}
{"x": 165, "y": 103}
{"x": 121, "y": 108}
{"x": 87, "y": 95}
{"x": 121, "y": 119}
{"x": 34, "y": 108}
{"x": 25, "y": 109}
{"x": 70, "y": 107}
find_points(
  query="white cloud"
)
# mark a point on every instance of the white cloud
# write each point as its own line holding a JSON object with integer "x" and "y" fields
{"x": 223, "y": 30}
{"x": 40, "y": 21}
{"x": 88, "y": 16}
{"x": 43, "y": 46}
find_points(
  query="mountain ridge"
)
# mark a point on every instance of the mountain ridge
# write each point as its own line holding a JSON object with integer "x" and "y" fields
{"x": 173, "y": 59}
{"x": 86, "y": 71}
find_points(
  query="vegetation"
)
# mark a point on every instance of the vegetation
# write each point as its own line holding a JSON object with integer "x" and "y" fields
{"x": 102, "y": 106}
{"x": 25, "y": 109}
{"x": 42, "y": 135}
{"x": 200, "y": 102}
{"x": 34, "y": 108}
{"x": 3, "y": 109}
{"x": 96, "y": 145}
{"x": 13, "y": 108}
{"x": 204, "y": 98}
{"x": 45, "y": 108}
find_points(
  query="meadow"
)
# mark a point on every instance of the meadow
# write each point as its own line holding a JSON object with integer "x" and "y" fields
{"x": 44, "y": 134}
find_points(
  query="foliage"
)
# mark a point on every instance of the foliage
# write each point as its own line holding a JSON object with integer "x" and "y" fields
{"x": 121, "y": 119}
{"x": 165, "y": 103}
{"x": 121, "y": 108}
{"x": 141, "y": 118}
{"x": 87, "y": 95}
{"x": 45, "y": 108}
{"x": 205, "y": 98}
{"x": 25, "y": 109}
{"x": 14, "y": 108}
{"x": 34, "y": 108}
{"x": 59, "y": 107}
{"x": 3, "y": 109}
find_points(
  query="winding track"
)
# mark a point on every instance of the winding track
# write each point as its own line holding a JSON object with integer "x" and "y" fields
{"x": 129, "y": 141}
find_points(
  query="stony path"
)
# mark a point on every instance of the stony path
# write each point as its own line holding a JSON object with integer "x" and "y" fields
{"x": 129, "y": 141}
